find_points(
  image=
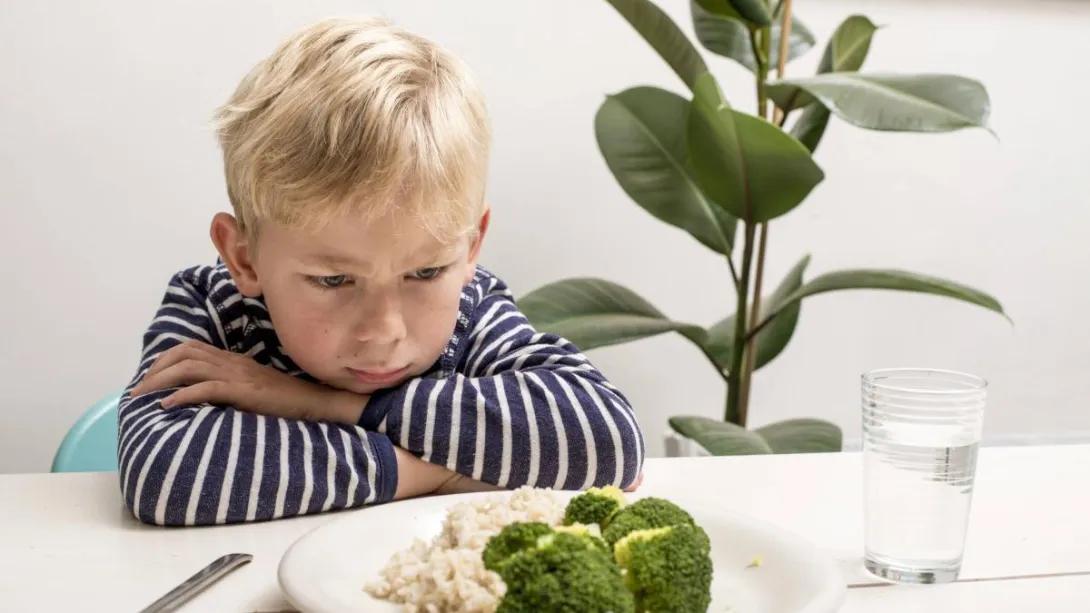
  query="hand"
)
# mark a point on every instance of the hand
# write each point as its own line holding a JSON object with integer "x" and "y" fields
{"x": 635, "y": 484}
{"x": 415, "y": 477}
{"x": 208, "y": 374}
{"x": 460, "y": 484}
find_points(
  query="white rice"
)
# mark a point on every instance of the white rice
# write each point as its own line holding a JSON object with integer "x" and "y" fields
{"x": 447, "y": 574}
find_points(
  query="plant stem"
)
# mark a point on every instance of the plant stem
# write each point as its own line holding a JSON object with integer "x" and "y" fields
{"x": 780, "y": 118}
{"x": 750, "y": 342}
{"x": 785, "y": 37}
{"x": 757, "y": 41}
{"x": 734, "y": 378}
{"x": 733, "y": 272}
{"x": 766, "y": 51}
{"x": 760, "y": 43}
{"x": 755, "y": 330}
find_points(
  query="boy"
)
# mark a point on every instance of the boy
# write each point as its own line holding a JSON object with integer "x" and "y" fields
{"x": 347, "y": 349}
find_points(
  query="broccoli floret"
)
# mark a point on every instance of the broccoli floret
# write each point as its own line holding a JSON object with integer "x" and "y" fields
{"x": 594, "y": 506}
{"x": 591, "y": 533}
{"x": 669, "y": 570}
{"x": 564, "y": 574}
{"x": 644, "y": 514}
{"x": 514, "y": 538}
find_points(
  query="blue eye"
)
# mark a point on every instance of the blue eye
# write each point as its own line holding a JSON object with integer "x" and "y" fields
{"x": 331, "y": 281}
{"x": 427, "y": 274}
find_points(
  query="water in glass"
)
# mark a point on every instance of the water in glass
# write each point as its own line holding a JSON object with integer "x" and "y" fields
{"x": 921, "y": 432}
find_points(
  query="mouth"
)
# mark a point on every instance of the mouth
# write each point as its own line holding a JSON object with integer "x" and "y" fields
{"x": 377, "y": 376}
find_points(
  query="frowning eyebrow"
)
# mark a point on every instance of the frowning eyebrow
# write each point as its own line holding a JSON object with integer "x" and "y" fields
{"x": 334, "y": 261}
{"x": 346, "y": 262}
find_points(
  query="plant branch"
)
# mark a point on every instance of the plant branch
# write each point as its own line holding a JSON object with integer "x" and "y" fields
{"x": 734, "y": 377}
{"x": 785, "y": 39}
{"x": 760, "y": 43}
{"x": 750, "y": 342}
{"x": 722, "y": 372}
{"x": 760, "y": 55}
{"x": 733, "y": 271}
{"x": 719, "y": 368}
{"x": 761, "y": 326}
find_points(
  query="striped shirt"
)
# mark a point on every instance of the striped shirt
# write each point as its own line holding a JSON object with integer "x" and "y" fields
{"x": 503, "y": 404}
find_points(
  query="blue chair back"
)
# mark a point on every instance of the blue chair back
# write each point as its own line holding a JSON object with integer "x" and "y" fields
{"x": 91, "y": 443}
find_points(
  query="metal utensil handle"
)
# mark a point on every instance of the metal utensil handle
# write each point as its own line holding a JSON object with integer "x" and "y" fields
{"x": 198, "y": 583}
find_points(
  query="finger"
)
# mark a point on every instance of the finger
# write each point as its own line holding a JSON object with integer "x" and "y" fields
{"x": 169, "y": 358}
{"x": 205, "y": 392}
{"x": 190, "y": 350}
{"x": 635, "y": 484}
{"x": 186, "y": 372}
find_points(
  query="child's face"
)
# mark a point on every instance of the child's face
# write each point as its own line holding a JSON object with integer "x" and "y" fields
{"x": 359, "y": 306}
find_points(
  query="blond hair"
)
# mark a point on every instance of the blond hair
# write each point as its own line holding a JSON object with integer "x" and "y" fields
{"x": 357, "y": 116}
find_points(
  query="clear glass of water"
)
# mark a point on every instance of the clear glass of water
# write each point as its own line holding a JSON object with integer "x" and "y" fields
{"x": 921, "y": 432}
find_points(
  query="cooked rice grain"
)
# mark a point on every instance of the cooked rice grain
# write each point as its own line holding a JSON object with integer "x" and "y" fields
{"x": 447, "y": 574}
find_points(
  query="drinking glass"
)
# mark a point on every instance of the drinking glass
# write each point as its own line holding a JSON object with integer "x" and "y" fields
{"x": 921, "y": 432}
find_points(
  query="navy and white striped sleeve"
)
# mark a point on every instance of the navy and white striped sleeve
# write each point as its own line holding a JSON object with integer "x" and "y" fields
{"x": 205, "y": 464}
{"x": 524, "y": 408}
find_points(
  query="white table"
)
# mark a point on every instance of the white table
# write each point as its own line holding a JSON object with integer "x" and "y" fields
{"x": 68, "y": 544}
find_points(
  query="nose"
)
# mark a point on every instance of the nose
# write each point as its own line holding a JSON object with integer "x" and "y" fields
{"x": 379, "y": 319}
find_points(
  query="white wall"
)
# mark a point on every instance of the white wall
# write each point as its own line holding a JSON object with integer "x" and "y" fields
{"x": 109, "y": 175}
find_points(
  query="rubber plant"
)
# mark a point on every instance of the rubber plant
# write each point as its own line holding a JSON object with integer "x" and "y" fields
{"x": 696, "y": 163}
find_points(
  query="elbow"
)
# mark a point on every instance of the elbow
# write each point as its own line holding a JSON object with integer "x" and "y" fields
{"x": 141, "y": 503}
{"x": 148, "y": 496}
{"x": 145, "y": 513}
{"x": 146, "y": 517}
{"x": 170, "y": 517}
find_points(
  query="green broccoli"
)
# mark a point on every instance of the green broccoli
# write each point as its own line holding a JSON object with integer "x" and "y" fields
{"x": 590, "y": 533}
{"x": 669, "y": 570}
{"x": 594, "y": 506}
{"x": 644, "y": 514}
{"x": 514, "y": 538}
{"x": 564, "y": 574}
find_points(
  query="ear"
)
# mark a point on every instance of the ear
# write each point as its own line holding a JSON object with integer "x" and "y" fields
{"x": 475, "y": 246}
{"x": 237, "y": 253}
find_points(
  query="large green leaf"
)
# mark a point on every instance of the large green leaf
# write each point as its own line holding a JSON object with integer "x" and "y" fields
{"x": 641, "y": 134}
{"x": 845, "y": 52}
{"x": 848, "y": 47}
{"x": 753, "y": 12}
{"x": 804, "y": 435}
{"x": 773, "y": 338}
{"x": 664, "y": 36}
{"x": 720, "y": 437}
{"x": 892, "y": 102}
{"x": 730, "y": 38}
{"x": 596, "y": 313}
{"x": 810, "y": 126}
{"x": 887, "y": 280}
{"x": 753, "y": 169}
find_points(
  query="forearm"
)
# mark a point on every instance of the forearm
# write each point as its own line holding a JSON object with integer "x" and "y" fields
{"x": 561, "y": 427}
{"x": 337, "y": 406}
{"x": 417, "y": 477}
{"x": 205, "y": 464}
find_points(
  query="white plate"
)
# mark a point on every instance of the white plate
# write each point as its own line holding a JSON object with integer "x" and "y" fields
{"x": 326, "y": 569}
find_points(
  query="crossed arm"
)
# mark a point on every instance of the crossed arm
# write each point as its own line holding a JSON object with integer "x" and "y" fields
{"x": 211, "y": 436}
